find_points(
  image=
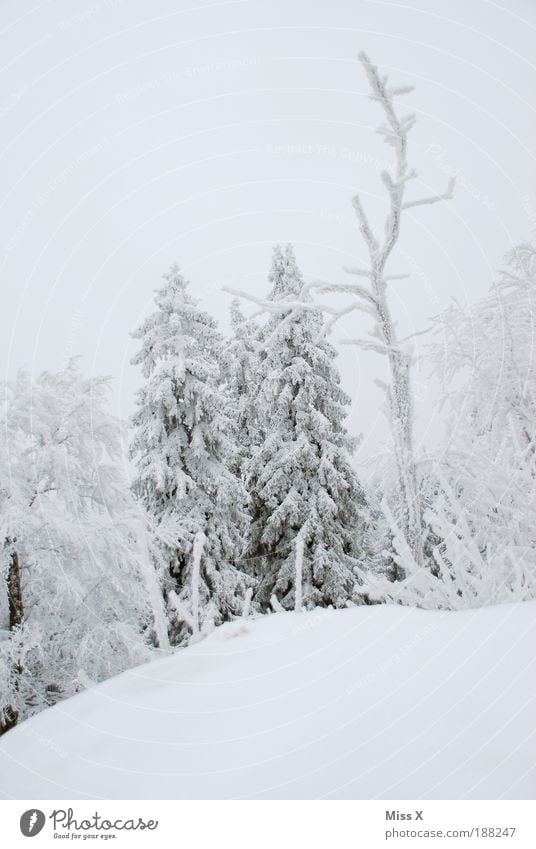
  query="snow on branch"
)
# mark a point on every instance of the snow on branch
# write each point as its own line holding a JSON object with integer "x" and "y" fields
{"x": 370, "y": 297}
{"x": 366, "y": 230}
{"x": 371, "y": 345}
{"x": 197, "y": 553}
{"x": 447, "y": 195}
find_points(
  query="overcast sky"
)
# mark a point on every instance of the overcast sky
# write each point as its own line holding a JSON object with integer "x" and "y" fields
{"x": 133, "y": 134}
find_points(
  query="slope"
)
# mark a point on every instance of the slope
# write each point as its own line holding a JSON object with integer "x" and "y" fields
{"x": 385, "y": 702}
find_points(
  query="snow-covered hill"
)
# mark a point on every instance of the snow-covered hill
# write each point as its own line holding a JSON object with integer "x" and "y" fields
{"x": 371, "y": 702}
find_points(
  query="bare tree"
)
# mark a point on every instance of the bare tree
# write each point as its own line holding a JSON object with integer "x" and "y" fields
{"x": 370, "y": 296}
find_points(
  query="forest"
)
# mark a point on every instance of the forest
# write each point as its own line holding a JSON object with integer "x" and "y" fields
{"x": 232, "y": 492}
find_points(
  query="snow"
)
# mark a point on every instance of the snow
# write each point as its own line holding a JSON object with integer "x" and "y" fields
{"x": 382, "y": 701}
{"x": 183, "y": 447}
{"x": 297, "y": 466}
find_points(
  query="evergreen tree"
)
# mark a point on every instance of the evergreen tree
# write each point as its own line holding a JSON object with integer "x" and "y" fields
{"x": 242, "y": 374}
{"x": 299, "y": 478}
{"x": 183, "y": 450}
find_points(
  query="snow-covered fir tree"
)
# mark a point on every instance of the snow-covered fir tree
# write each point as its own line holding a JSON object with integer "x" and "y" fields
{"x": 241, "y": 365}
{"x": 368, "y": 293}
{"x": 184, "y": 451}
{"x": 74, "y": 591}
{"x": 300, "y": 480}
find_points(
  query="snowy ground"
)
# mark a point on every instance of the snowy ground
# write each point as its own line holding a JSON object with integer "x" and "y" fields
{"x": 382, "y": 702}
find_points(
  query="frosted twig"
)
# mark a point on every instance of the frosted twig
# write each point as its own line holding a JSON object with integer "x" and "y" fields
{"x": 447, "y": 195}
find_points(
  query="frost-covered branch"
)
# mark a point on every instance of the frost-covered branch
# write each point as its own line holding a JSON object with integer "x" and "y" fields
{"x": 371, "y": 297}
{"x": 369, "y": 345}
{"x": 447, "y": 195}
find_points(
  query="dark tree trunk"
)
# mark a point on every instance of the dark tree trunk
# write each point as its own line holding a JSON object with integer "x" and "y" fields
{"x": 14, "y": 592}
{"x": 8, "y": 714}
{"x": 8, "y": 719}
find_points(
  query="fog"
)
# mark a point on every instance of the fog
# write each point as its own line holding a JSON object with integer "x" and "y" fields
{"x": 136, "y": 134}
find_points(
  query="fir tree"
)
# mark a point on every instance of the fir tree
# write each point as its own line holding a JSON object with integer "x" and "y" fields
{"x": 184, "y": 452}
{"x": 242, "y": 374}
{"x": 300, "y": 480}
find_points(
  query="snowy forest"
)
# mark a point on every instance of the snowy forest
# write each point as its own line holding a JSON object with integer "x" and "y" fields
{"x": 232, "y": 492}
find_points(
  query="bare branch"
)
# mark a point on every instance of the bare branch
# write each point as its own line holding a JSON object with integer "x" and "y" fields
{"x": 370, "y": 345}
{"x": 327, "y": 328}
{"x": 356, "y": 306}
{"x": 275, "y": 306}
{"x": 359, "y": 272}
{"x": 388, "y": 182}
{"x": 366, "y": 230}
{"x": 351, "y": 288}
{"x": 447, "y": 195}
{"x": 417, "y": 333}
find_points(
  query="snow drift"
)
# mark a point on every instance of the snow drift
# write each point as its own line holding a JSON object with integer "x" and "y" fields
{"x": 385, "y": 702}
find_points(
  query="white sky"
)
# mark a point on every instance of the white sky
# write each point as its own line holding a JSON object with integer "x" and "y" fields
{"x": 133, "y": 134}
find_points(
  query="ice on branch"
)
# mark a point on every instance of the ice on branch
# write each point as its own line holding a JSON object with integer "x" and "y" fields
{"x": 371, "y": 297}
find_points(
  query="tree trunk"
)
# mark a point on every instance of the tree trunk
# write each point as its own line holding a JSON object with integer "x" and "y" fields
{"x": 14, "y": 591}
{"x": 8, "y": 719}
{"x": 402, "y": 425}
{"x": 401, "y": 411}
{"x": 8, "y": 714}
